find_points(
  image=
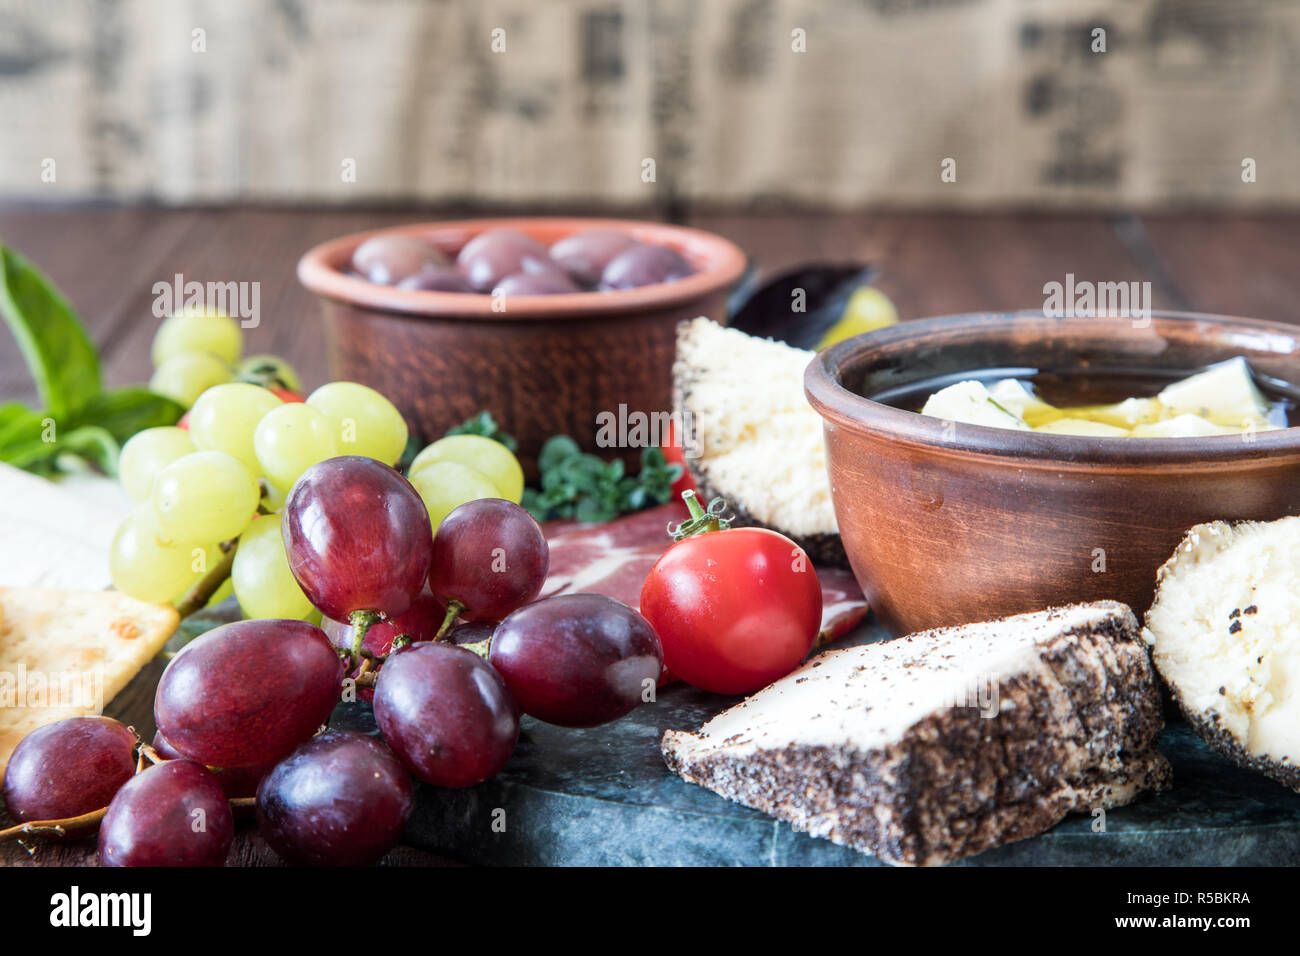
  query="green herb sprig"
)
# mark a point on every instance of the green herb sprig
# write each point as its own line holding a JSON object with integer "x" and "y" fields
{"x": 575, "y": 484}
{"x": 80, "y": 419}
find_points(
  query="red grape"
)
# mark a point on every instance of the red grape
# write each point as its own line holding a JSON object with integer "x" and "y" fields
{"x": 68, "y": 768}
{"x": 437, "y": 279}
{"x": 171, "y": 814}
{"x": 249, "y": 692}
{"x": 491, "y": 556}
{"x": 584, "y": 255}
{"x": 341, "y": 799}
{"x": 446, "y": 714}
{"x": 235, "y": 782}
{"x": 577, "y": 660}
{"x": 390, "y": 259}
{"x": 358, "y": 537}
{"x": 491, "y": 256}
{"x": 471, "y": 632}
{"x": 644, "y": 265}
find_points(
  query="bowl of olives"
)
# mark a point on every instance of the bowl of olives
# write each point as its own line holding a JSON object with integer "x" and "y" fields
{"x": 547, "y": 323}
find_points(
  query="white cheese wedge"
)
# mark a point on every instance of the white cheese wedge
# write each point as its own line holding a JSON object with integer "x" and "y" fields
{"x": 1225, "y": 634}
{"x": 1224, "y": 393}
{"x": 947, "y": 742}
{"x": 970, "y": 403}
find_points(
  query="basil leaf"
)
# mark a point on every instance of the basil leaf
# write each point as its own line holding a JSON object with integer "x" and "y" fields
{"x": 124, "y": 411}
{"x": 58, "y": 352}
{"x": 18, "y": 423}
{"x": 92, "y": 443}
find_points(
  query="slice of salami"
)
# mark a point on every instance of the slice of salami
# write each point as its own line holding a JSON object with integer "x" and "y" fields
{"x": 614, "y": 558}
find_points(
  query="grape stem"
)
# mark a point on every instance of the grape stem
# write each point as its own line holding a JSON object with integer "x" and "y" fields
{"x": 454, "y": 609}
{"x": 60, "y": 828}
{"x": 701, "y": 521}
{"x": 52, "y": 828}
{"x": 362, "y": 622}
{"x": 197, "y": 597}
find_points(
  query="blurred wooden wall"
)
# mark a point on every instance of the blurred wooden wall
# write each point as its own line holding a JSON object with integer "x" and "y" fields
{"x": 591, "y": 102}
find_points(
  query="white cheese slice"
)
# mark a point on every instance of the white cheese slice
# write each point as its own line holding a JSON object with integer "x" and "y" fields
{"x": 1225, "y": 634}
{"x": 1225, "y": 393}
{"x": 970, "y": 403}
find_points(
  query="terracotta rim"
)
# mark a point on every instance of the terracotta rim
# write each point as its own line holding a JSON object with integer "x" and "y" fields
{"x": 719, "y": 262}
{"x": 853, "y": 412}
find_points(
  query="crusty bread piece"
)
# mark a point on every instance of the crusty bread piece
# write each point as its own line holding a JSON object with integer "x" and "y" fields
{"x": 68, "y": 653}
{"x": 935, "y": 746}
{"x": 1225, "y": 635}
{"x": 758, "y": 443}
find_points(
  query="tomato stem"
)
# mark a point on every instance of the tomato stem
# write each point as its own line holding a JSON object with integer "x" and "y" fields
{"x": 701, "y": 520}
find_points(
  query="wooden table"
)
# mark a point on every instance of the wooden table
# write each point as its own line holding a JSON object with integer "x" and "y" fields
{"x": 106, "y": 259}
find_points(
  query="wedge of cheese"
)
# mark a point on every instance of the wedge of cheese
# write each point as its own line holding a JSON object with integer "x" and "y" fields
{"x": 67, "y": 653}
{"x": 1225, "y": 635}
{"x": 948, "y": 742}
{"x": 754, "y": 439}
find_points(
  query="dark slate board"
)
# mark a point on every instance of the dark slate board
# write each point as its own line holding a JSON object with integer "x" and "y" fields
{"x": 603, "y": 797}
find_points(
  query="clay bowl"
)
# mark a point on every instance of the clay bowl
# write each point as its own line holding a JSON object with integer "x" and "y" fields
{"x": 548, "y": 365}
{"x": 947, "y": 523}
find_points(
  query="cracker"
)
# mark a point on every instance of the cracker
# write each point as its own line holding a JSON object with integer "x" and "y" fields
{"x": 67, "y": 653}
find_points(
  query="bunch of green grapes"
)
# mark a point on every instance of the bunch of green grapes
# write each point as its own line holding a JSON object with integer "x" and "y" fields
{"x": 217, "y": 480}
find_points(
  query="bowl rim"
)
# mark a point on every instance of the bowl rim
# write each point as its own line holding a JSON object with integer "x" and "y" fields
{"x": 844, "y": 408}
{"x": 319, "y": 270}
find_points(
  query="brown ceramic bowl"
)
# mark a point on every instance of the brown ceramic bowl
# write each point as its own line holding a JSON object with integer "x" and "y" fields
{"x": 545, "y": 366}
{"x": 945, "y": 524}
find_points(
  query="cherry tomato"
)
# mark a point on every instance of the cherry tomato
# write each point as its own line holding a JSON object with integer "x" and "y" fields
{"x": 184, "y": 423}
{"x": 735, "y": 608}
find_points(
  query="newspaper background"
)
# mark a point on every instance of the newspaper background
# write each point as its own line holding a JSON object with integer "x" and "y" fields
{"x": 285, "y": 93}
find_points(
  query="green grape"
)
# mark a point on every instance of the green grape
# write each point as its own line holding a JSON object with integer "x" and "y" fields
{"x": 268, "y": 370}
{"x": 198, "y": 330}
{"x": 148, "y": 452}
{"x": 263, "y": 582}
{"x": 488, "y": 457}
{"x": 220, "y": 594}
{"x": 290, "y": 439}
{"x": 186, "y": 376}
{"x": 365, "y": 422}
{"x": 151, "y": 567}
{"x": 446, "y": 485}
{"x": 224, "y": 418}
{"x": 204, "y": 496}
{"x": 272, "y": 497}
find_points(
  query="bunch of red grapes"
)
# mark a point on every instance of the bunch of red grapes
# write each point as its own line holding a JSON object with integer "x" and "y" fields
{"x": 240, "y": 709}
